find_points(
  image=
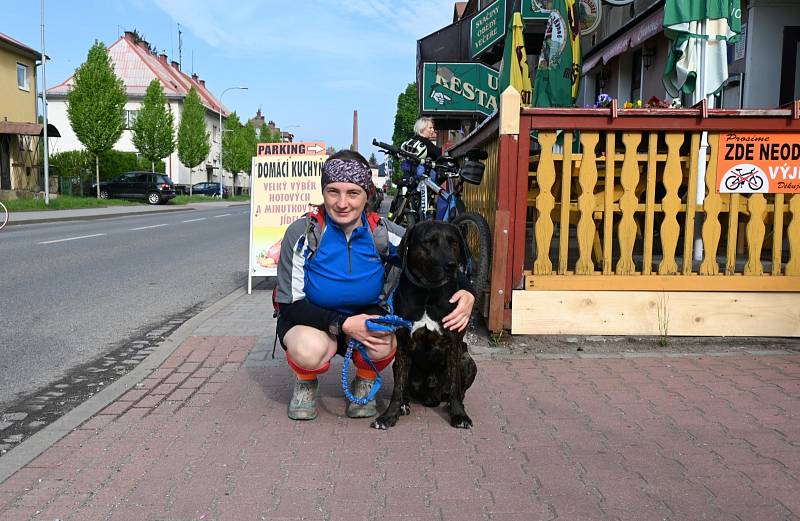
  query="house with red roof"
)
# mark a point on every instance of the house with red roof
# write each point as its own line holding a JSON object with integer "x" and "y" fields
{"x": 137, "y": 66}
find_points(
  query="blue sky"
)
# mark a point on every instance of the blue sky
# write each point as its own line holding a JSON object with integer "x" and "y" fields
{"x": 307, "y": 63}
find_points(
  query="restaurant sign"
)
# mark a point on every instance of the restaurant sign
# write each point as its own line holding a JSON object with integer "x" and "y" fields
{"x": 487, "y": 27}
{"x": 459, "y": 87}
{"x": 750, "y": 163}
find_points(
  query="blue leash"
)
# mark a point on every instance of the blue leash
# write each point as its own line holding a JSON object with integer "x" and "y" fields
{"x": 389, "y": 323}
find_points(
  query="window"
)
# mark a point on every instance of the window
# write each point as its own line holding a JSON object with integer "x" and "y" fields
{"x": 22, "y": 77}
{"x": 636, "y": 76}
{"x": 130, "y": 118}
{"x": 214, "y": 134}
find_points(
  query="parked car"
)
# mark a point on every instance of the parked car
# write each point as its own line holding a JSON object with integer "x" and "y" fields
{"x": 211, "y": 189}
{"x": 154, "y": 187}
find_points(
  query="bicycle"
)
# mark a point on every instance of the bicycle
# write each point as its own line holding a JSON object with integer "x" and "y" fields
{"x": 3, "y": 216}
{"x": 420, "y": 197}
{"x": 737, "y": 179}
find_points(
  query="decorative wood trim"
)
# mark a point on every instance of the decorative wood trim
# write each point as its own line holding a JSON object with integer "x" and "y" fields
{"x": 598, "y": 282}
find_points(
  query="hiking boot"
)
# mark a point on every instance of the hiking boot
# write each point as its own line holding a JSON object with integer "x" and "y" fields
{"x": 360, "y": 387}
{"x": 304, "y": 400}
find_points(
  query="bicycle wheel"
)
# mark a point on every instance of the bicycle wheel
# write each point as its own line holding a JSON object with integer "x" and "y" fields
{"x": 478, "y": 239}
{"x": 407, "y": 219}
{"x": 732, "y": 183}
{"x": 3, "y": 215}
{"x": 755, "y": 182}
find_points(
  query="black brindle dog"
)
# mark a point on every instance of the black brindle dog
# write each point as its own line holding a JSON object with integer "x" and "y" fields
{"x": 432, "y": 364}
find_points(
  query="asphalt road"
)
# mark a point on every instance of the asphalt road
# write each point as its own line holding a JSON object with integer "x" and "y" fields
{"x": 72, "y": 291}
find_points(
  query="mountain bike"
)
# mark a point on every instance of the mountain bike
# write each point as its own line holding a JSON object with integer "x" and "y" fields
{"x": 3, "y": 215}
{"x": 431, "y": 190}
{"x": 737, "y": 179}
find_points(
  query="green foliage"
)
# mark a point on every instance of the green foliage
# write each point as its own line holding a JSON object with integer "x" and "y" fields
{"x": 268, "y": 136}
{"x": 406, "y": 115}
{"x": 74, "y": 163}
{"x": 238, "y": 145}
{"x": 96, "y": 103}
{"x": 114, "y": 163}
{"x": 372, "y": 159}
{"x": 71, "y": 163}
{"x": 193, "y": 138}
{"x": 154, "y": 128}
{"x": 330, "y": 150}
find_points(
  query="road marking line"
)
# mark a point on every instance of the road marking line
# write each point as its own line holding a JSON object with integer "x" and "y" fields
{"x": 147, "y": 227}
{"x": 73, "y": 238}
{"x": 223, "y": 215}
{"x": 193, "y": 220}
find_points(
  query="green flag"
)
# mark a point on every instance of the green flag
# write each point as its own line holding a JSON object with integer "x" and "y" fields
{"x": 691, "y": 25}
{"x": 514, "y": 71}
{"x": 558, "y": 73}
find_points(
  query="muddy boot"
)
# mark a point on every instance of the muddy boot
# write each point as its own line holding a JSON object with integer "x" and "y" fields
{"x": 304, "y": 400}
{"x": 360, "y": 387}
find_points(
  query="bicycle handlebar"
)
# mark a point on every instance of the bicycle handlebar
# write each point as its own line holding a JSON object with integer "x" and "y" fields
{"x": 394, "y": 150}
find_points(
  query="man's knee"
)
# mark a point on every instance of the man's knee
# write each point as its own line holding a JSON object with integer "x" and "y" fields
{"x": 309, "y": 347}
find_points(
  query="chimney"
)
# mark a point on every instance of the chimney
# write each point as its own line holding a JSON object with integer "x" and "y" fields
{"x": 354, "y": 146}
{"x": 195, "y": 77}
{"x": 203, "y": 83}
{"x": 129, "y": 35}
{"x": 162, "y": 58}
{"x": 144, "y": 45}
{"x": 175, "y": 65}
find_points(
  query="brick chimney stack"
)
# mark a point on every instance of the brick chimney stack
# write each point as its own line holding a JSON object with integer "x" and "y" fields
{"x": 175, "y": 65}
{"x": 162, "y": 58}
{"x": 354, "y": 146}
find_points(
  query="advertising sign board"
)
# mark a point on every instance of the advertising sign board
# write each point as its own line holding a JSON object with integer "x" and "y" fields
{"x": 459, "y": 87}
{"x": 749, "y": 163}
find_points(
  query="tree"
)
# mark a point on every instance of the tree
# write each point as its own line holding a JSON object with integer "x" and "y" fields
{"x": 372, "y": 159}
{"x": 154, "y": 128}
{"x": 193, "y": 138}
{"x": 96, "y": 104}
{"x": 406, "y": 115}
{"x": 238, "y": 145}
{"x": 330, "y": 150}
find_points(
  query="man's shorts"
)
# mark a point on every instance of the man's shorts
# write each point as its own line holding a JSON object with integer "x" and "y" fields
{"x": 341, "y": 339}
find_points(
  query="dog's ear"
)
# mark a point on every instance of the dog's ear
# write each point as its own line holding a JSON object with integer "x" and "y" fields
{"x": 402, "y": 250}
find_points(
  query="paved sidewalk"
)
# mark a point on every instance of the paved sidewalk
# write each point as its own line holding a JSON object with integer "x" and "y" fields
{"x": 83, "y": 214}
{"x": 645, "y": 437}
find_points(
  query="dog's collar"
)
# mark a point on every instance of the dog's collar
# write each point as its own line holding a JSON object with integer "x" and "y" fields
{"x": 417, "y": 282}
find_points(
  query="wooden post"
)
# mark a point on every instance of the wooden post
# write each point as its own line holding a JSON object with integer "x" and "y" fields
{"x": 503, "y": 259}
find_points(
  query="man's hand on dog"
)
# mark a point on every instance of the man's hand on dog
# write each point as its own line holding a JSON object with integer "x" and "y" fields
{"x": 458, "y": 319}
{"x": 356, "y": 327}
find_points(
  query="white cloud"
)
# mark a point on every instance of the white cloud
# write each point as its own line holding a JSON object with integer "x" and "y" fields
{"x": 356, "y": 29}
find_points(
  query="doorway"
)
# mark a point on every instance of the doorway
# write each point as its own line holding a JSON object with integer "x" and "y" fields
{"x": 790, "y": 65}
{"x": 5, "y": 162}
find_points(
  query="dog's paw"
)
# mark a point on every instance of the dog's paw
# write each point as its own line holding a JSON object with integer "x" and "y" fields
{"x": 405, "y": 410}
{"x": 461, "y": 421}
{"x": 384, "y": 422}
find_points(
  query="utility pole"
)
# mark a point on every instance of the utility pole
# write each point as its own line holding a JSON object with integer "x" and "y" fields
{"x": 46, "y": 148}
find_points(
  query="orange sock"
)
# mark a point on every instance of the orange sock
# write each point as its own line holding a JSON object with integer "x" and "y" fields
{"x": 306, "y": 374}
{"x": 364, "y": 371}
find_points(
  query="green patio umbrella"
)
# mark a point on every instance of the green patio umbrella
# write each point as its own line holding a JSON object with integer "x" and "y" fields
{"x": 700, "y": 32}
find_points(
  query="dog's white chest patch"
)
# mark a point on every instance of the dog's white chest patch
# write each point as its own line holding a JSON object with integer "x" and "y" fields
{"x": 428, "y": 323}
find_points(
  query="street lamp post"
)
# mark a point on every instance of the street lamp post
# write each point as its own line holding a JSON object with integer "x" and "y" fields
{"x": 221, "y": 168}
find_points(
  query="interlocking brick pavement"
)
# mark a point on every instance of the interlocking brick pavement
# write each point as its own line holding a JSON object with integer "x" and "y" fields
{"x": 604, "y": 438}
{"x": 647, "y": 437}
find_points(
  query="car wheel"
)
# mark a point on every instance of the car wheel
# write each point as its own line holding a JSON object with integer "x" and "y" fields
{"x": 153, "y": 198}
{"x": 104, "y": 194}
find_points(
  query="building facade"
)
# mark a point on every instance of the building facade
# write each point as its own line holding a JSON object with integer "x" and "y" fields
{"x": 20, "y": 131}
{"x": 137, "y": 66}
